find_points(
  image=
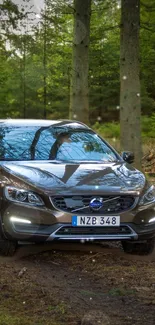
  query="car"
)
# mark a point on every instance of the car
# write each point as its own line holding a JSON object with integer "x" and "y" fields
{"x": 60, "y": 181}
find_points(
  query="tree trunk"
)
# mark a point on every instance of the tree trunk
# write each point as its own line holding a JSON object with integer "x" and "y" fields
{"x": 45, "y": 61}
{"x": 130, "y": 102}
{"x": 79, "y": 98}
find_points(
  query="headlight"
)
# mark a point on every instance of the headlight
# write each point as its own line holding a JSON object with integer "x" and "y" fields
{"x": 148, "y": 197}
{"x": 22, "y": 196}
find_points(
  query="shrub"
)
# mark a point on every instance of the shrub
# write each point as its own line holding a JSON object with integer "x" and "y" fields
{"x": 108, "y": 130}
{"x": 112, "y": 130}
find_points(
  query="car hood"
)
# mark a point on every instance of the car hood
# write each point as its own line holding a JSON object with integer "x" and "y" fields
{"x": 71, "y": 178}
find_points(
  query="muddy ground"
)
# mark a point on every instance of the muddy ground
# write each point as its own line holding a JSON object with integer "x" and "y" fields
{"x": 60, "y": 286}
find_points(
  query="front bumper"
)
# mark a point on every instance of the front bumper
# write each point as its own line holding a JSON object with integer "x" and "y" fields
{"x": 48, "y": 225}
{"x": 66, "y": 232}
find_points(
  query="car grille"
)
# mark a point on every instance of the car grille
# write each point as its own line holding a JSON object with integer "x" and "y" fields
{"x": 66, "y": 231}
{"x": 80, "y": 204}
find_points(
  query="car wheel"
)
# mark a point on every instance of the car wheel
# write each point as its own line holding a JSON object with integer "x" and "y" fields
{"x": 144, "y": 248}
{"x": 7, "y": 247}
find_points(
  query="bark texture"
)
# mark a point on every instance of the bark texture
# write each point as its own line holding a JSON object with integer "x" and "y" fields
{"x": 79, "y": 97}
{"x": 130, "y": 100}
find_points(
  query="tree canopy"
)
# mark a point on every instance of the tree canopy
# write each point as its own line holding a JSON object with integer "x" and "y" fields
{"x": 36, "y": 60}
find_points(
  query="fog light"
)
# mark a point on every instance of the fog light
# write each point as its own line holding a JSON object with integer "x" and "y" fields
{"x": 152, "y": 220}
{"x": 19, "y": 220}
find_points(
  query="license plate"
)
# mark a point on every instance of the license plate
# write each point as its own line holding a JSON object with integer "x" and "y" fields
{"x": 99, "y": 221}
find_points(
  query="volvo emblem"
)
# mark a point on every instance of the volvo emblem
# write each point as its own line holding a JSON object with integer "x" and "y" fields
{"x": 96, "y": 204}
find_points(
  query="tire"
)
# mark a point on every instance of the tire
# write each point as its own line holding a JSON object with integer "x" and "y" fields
{"x": 7, "y": 247}
{"x": 141, "y": 248}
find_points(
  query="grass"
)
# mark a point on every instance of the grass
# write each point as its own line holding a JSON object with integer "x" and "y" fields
{"x": 121, "y": 292}
{"x": 7, "y": 319}
{"x": 90, "y": 293}
{"x": 10, "y": 317}
{"x": 61, "y": 308}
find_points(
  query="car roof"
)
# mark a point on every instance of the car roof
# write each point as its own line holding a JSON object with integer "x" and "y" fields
{"x": 39, "y": 123}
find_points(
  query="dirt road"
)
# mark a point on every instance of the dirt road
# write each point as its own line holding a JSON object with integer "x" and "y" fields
{"x": 60, "y": 287}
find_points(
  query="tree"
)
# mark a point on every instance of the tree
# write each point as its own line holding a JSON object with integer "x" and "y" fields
{"x": 36, "y": 60}
{"x": 130, "y": 99}
{"x": 147, "y": 41}
{"x": 104, "y": 55}
{"x": 79, "y": 97}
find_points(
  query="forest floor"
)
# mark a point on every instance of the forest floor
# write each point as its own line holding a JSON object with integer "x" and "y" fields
{"x": 61, "y": 285}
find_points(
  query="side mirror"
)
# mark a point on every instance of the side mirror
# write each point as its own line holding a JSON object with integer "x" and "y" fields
{"x": 128, "y": 156}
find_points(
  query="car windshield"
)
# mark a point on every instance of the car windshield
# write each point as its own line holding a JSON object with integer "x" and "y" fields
{"x": 50, "y": 143}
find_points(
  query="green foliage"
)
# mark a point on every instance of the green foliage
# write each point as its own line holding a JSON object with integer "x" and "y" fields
{"x": 148, "y": 126}
{"x": 108, "y": 130}
{"x": 31, "y": 61}
{"x": 104, "y": 61}
{"x": 112, "y": 130}
{"x": 11, "y": 12}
